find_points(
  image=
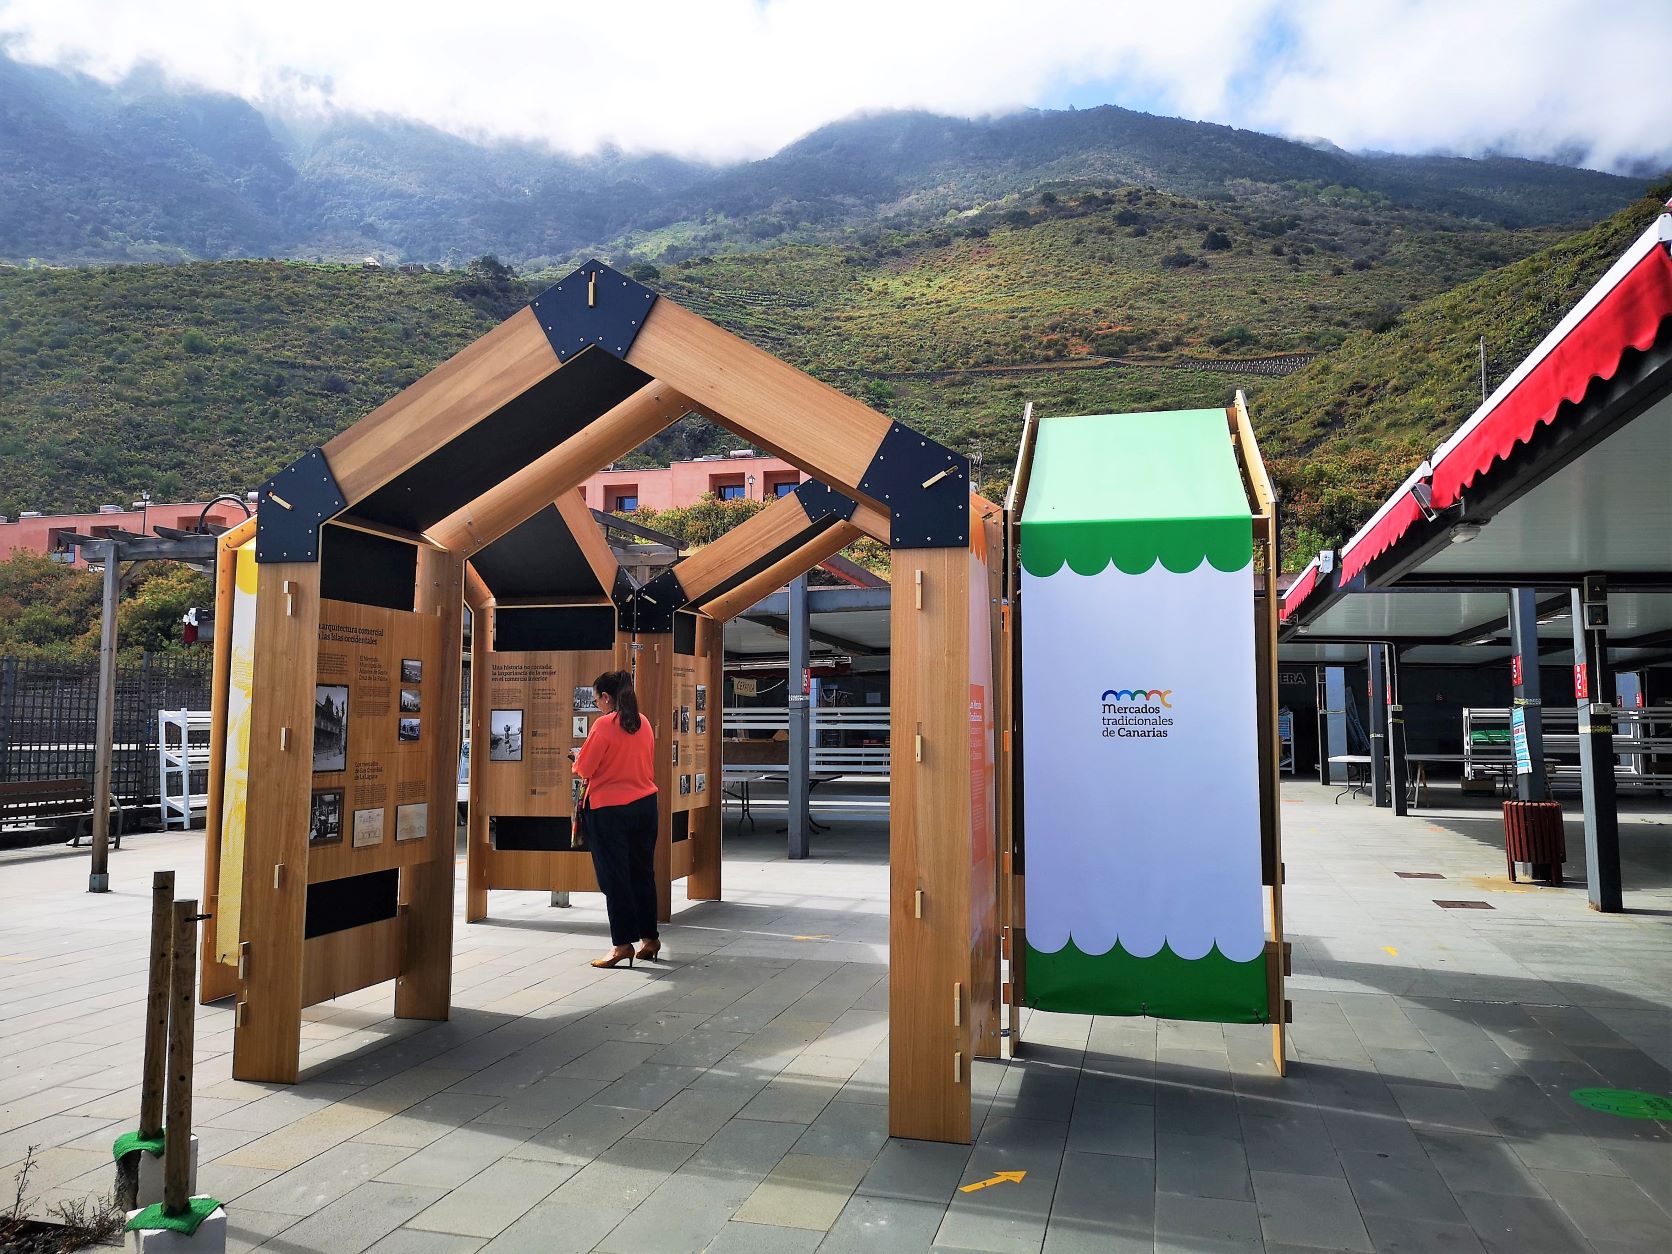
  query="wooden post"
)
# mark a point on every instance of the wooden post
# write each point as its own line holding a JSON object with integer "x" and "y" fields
{"x": 703, "y": 883}
{"x": 182, "y": 1023}
{"x": 98, "y": 879}
{"x": 653, "y": 681}
{"x": 153, "y": 1078}
{"x": 929, "y": 942}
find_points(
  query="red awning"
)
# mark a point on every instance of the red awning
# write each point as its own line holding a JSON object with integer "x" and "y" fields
{"x": 1298, "y": 591}
{"x": 1628, "y": 317}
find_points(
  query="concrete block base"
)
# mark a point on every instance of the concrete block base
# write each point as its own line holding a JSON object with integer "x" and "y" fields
{"x": 210, "y": 1238}
{"x": 151, "y": 1178}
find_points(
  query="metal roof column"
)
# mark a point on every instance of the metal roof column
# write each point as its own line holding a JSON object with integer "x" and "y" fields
{"x": 799, "y": 686}
{"x": 1378, "y": 725}
{"x": 1400, "y": 770}
{"x": 1594, "y": 694}
{"x": 1530, "y": 785}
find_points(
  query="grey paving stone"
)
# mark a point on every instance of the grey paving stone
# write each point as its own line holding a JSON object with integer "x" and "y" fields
{"x": 1650, "y": 1165}
{"x": 740, "y": 1238}
{"x": 1197, "y": 1225}
{"x": 323, "y": 1179}
{"x": 1010, "y": 1216}
{"x": 791, "y": 1099}
{"x": 648, "y": 1086}
{"x": 450, "y": 1161}
{"x": 922, "y": 1171}
{"x": 883, "y": 1225}
{"x": 1194, "y": 1112}
{"x": 693, "y": 1115}
{"x": 684, "y": 1213}
{"x": 1480, "y": 1164}
{"x": 625, "y": 1174}
{"x": 1296, "y": 1146}
{"x": 846, "y": 1130}
{"x": 360, "y": 1218}
{"x": 1376, "y": 1132}
{"x": 1309, "y": 1210}
{"x": 1399, "y": 1186}
{"x": 1113, "y": 1128}
{"x": 557, "y": 1226}
{"x": 488, "y": 1203}
{"x": 1401, "y": 1234}
{"x": 412, "y": 1241}
{"x": 581, "y": 1135}
{"x": 1104, "y": 1204}
{"x": 746, "y": 1148}
{"x": 250, "y": 1229}
{"x": 1202, "y": 1166}
{"x": 802, "y": 1192}
{"x": 1608, "y": 1208}
{"x": 1520, "y": 1225}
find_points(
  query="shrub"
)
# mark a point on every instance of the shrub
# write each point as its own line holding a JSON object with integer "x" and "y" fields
{"x": 1215, "y": 242}
{"x": 1178, "y": 259}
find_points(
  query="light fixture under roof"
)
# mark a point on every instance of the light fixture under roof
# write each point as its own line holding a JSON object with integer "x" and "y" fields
{"x": 1462, "y": 533}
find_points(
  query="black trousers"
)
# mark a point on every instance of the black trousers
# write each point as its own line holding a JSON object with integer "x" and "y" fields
{"x": 623, "y": 844}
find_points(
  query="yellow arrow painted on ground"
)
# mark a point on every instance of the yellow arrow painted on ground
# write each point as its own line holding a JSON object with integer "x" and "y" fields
{"x": 1389, "y": 949}
{"x": 999, "y": 1177}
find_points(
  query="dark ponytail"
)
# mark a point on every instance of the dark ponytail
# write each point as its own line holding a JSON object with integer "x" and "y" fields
{"x": 618, "y": 687}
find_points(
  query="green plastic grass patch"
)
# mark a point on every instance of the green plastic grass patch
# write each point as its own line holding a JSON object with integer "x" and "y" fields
{"x": 1627, "y": 1103}
{"x": 128, "y": 1142}
{"x": 188, "y": 1221}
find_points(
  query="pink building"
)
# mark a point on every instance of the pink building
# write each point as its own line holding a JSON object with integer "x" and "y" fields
{"x": 35, "y": 532}
{"x": 757, "y": 478}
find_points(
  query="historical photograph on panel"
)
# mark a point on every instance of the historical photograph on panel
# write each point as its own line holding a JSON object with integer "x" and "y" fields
{"x": 325, "y": 818}
{"x": 702, "y": 697}
{"x": 368, "y": 827}
{"x": 409, "y": 730}
{"x": 685, "y": 719}
{"x": 412, "y": 670}
{"x": 330, "y": 727}
{"x": 702, "y": 781}
{"x": 412, "y": 700}
{"x": 702, "y": 724}
{"x": 684, "y": 785}
{"x": 505, "y": 735}
{"x": 585, "y": 698}
{"x": 675, "y": 752}
{"x": 578, "y": 728}
{"x": 412, "y": 822}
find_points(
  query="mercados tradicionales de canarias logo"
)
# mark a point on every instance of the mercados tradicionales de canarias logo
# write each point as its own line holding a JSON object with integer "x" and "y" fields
{"x": 1136, "y": 713}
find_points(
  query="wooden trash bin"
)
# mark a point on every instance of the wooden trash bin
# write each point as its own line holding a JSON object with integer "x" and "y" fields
{"x": 1533, "y": 834}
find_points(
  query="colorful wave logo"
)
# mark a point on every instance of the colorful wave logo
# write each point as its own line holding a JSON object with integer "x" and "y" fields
{"x": 1119, "y": 695}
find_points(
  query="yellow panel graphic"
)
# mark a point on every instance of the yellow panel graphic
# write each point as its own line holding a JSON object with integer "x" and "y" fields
{"x": 240, "y": 680}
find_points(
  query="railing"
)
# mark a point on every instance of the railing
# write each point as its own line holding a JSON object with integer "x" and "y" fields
{"x": 48, "y": 718}
{"x": 182, "y": 765}
{"x": 836, "y": 733}
{"x": 1642, "y": 745}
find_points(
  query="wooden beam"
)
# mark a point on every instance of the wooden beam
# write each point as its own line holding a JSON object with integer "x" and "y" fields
{"x": 929, "y": 914}
{"x": 466, "y": 388}
{"x": 590, "y": 537}
{"x": 825, "y": 431}
{"x": 267, "y": 1031}
{"x": 797, "y": 562}
{"x": 653, "y": 408}
{"x": 710, "y": 566}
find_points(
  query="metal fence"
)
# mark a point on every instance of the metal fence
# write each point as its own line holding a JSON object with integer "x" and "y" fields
{"x": 48, "y": 713}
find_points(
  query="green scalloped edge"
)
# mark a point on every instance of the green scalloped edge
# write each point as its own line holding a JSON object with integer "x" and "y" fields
{"x": 1134, "y": 546}
{"x": 1211, "y": 989}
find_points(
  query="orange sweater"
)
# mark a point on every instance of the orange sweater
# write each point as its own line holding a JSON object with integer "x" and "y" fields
{"x": 616, "y": 766}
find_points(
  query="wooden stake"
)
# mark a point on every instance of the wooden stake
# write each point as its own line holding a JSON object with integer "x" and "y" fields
{"x": 177, "y": 1153}
{"x": 154, "y": 1077}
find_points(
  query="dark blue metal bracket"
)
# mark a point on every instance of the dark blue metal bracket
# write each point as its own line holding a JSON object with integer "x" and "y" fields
{"x": 594, "y": 307}
{"x": 294, "y": 505}
{"x": 653, "y": 605}
{"x": 822, "y": 502}
{"x": 925, "y": 487}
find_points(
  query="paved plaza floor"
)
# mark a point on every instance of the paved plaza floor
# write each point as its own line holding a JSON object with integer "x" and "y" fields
{"x": 733, "y": 1097}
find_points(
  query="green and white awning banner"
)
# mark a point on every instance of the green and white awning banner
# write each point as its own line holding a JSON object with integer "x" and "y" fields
{"x": 1141, "y": 796}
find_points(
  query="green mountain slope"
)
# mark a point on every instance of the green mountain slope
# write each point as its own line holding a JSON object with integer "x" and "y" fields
{"x": 1344, "y": 431}
{"x": 193, "y": 379}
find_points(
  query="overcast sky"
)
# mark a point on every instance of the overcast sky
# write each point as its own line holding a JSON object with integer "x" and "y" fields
{"x": 723, "y": 79}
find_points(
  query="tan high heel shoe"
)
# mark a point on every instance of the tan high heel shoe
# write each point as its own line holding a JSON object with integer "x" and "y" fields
{"x": 649, "y": 950}
{"x": 612, "y": 960}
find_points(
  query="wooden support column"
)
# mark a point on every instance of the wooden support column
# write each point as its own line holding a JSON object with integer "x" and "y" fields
{"x": 929, "y": 918}
{"x": 219, "y": 979}
{"x": 987, "y": 645}
{"x": 425, "y": 987}
{"x": 477, "y": 848}
{"x": 267, "y": 1032}
{"x": 703, "y": 884}
{"x": 653, "y": 681}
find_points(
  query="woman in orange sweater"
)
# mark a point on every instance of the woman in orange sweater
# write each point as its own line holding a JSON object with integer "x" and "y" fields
{"x": 620, "y": 816}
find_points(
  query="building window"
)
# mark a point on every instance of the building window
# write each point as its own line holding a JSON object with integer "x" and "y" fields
{"x": 729, "y": 491}
{"x": 625, "y": 504}
{"x": 784, "y": 488}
